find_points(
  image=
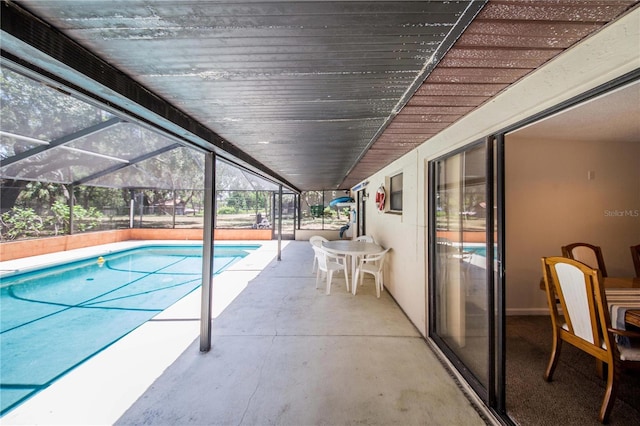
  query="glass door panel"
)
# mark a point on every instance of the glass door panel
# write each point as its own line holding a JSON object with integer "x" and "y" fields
{"x": 459, "y": 302}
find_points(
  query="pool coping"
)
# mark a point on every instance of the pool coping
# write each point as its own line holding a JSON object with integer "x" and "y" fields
{"x": 96, "y": 392}
{"x": 27, "y": 264}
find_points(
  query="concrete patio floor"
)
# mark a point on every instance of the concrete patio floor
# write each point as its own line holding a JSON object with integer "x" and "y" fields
{"x": 285, "y": 353}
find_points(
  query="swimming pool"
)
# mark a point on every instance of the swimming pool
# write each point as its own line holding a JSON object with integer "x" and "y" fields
{"x": 56, "y": 318}
{"x": 479, "y": 250}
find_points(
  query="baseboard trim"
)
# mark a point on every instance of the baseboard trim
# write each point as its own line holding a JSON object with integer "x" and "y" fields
{"x": 528, "y": 311}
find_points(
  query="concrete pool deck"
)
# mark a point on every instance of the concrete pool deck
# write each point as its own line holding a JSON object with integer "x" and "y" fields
{"x": 282, "y": 353}
{"x": 96, "y": 392}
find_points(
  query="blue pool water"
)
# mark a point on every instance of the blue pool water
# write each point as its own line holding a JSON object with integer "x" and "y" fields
{"x": 480, "y": 251}
{"x": 54, "y": 319}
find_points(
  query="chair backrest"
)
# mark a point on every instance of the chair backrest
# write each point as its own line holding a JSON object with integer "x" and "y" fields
{"x": 377, "y": 258}
{"x": 579, "y": 291}
{"x": 635, "y": 255}
{"x": 586, "y": 253}
{"x": 321, "y": 255}
{"x": 317, "y": 240}
{"x": 365, "y": 238}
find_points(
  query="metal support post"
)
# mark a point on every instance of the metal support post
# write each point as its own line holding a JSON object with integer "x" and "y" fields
{"x": 207, "y": 251}
{"x": 71, "y": 203}
{"x": 279, "y": 222}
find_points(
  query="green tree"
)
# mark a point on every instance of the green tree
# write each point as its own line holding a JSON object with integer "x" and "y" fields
{"x": 35, "y": 110}
{"x": 41, "y": 195}
{"x": 21, "y": 223}
{"x": 84, "y": 219}
{"x": 237, "y": 201}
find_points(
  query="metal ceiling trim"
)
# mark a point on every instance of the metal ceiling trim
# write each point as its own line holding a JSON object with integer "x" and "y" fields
{"x": 472, "y": 10}
{"x": 94, "y": 78}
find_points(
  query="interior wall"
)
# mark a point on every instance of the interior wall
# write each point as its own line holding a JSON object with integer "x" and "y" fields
{"x": 561, "y": 192}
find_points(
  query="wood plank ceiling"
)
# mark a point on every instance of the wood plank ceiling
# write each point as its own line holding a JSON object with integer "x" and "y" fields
{"x": 326, "y": 93}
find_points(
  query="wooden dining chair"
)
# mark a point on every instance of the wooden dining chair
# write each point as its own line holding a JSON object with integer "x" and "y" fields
{"x": 586, "y": 253}
{"x": 585, "y": 322}
{"x": 328, "y": 264}
{"x": 635, "y": 255}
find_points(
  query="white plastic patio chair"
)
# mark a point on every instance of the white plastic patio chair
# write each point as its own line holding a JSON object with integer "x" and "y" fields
{"x": 316, "y": 240}
{"x": 372, "y": 264}
{"x": 328, "y": 264}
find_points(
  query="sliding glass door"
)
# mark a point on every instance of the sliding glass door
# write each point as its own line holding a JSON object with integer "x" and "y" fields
{"x": 461, "y": 246}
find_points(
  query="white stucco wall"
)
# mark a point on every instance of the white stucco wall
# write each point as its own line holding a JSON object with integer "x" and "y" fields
{"x": 610, "y": 53}
{"x": 406, "y": 235}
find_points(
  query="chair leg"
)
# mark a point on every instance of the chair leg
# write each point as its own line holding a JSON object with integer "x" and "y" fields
{"x": 378, "y": 284}
{"x": 610, "y": 393}
{"x": 317, "y": 277}
{"x": 355, "y": 278}
{"x": 315, "y": 262}
{"x": 601, "y": 369}
{"x": 555, "y": 354}
{"x": 329, "y": 276}
{"x": 346, "y": 279}
{"x": 360, "y": 280}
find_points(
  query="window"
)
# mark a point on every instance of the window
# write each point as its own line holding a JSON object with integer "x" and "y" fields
{"x": 395, "y": 193}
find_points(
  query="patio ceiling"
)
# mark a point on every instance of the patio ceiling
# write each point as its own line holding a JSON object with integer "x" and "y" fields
{"x": 318, "y": 94}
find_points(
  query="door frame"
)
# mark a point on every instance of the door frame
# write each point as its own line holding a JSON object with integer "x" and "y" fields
{"x": 495, "y": 396}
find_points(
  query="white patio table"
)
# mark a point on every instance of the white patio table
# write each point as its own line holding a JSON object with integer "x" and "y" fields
{"x": 353, "y": 249}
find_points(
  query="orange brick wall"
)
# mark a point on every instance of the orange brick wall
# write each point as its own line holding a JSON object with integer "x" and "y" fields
{"x": 467, "y": 236}
{"x": 165, "y": 234}
{"x": 19, "y": 249}
{"x": 242, "y": 234}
